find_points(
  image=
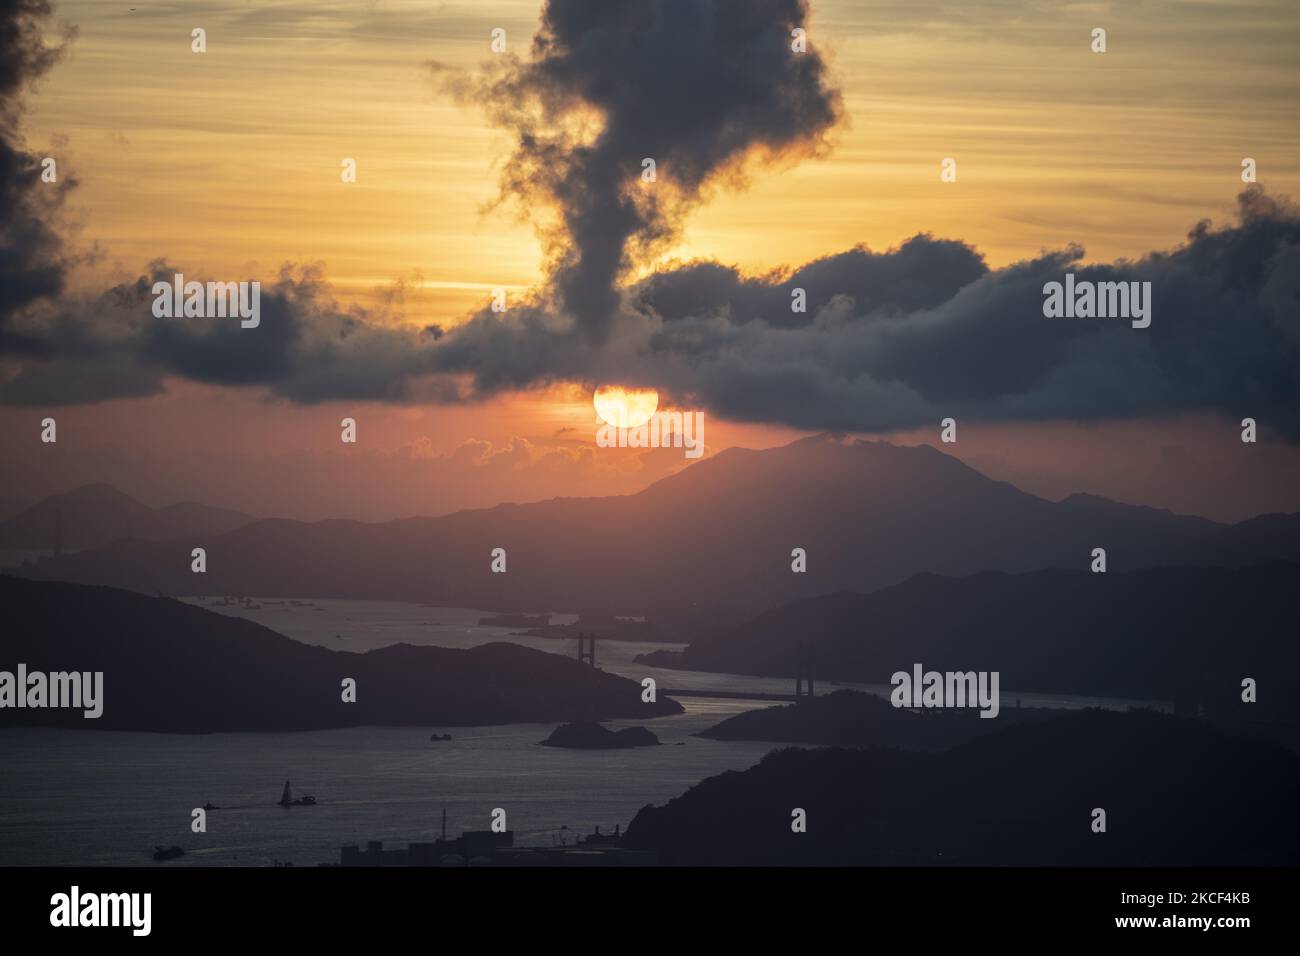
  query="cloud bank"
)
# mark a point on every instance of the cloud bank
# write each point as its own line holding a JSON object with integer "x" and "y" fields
{"x": 906, "y": 337}
{"x": 33, "y": 263}
{"x": 699, "y": 88}
{"x": 889, "y": 339}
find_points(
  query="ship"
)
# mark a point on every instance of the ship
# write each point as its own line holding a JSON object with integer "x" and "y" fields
{"x": 287, "y": 800}
{"x": 169, "y": 853}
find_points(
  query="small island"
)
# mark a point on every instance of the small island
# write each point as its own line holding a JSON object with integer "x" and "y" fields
{"x": 589, "y": 735}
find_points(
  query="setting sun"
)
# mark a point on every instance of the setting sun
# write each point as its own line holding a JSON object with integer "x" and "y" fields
{"x": 625, "y": 407}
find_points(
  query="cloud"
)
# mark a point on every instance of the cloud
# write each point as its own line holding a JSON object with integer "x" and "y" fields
{"x": 890, "y": 339}
{"x": 700, "y": 88}
{"x": 922, "y": 273}
{"x": 308, "y": 347}
{"x": 33, "y": 264}
{"x": 904, "y": 338}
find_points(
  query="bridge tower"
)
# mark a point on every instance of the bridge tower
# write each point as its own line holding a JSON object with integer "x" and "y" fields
{"x": 587, "y": 648}
{"x": 802, "y": 671}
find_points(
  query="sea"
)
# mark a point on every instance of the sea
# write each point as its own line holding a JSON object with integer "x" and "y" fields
{"x": 105, "y": 798}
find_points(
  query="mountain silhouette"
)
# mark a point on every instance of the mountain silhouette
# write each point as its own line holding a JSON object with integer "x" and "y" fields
{"x": 1151, "y": 634}
{"x": 1175, "y": 792}
{"x": 173, "y": 667}
{"x": 849, "y": 718}
{"x": 94, "y": 515}
{"x": 711, "y": 544}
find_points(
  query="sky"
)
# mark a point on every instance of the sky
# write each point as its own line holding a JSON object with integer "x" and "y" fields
{"x": 226, "y": 165}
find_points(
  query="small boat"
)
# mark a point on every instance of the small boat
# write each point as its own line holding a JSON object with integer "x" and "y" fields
{"x": 440, "y": 737}
{"x": 287, "y": 800}
{"x": 170, "y": 853}
{"x": 210, "y": 806}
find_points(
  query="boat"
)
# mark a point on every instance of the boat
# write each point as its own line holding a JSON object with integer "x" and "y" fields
{"x": 170, "y": 853}
{"x": 287, "y": 800}
{"x": 438, "y": 737}
{"x": 210, "y": 806}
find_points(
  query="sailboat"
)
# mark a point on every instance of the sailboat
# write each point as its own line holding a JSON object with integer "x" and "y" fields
{"x": 287, "y": 800}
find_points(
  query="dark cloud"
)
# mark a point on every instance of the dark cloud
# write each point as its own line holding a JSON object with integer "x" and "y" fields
{"x": 697, "y": 87}
{"x": 33, "y": 265}
{"x": 307, "y": 347}
{"x": 1223, "y": 335}
{"x": 922, "y": 273}
{"x": 904, "y": 338}
{"x": 24, "y": 56}
{"x": 890, "y": 340}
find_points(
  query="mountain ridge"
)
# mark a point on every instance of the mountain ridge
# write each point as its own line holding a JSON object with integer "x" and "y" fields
{"x": 94, "y": 515}
{"x": 172, "y": 667}
{"x": 711, "y": 543}
{"x": 1150, "y": 634}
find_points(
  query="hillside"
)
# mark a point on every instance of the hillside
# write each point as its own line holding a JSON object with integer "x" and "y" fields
{"x": 1149, "y": 634}
{"x": 172, "y": 667}
{"x": 709, "y": 544}
{"x": 848, "y": 718}
{"x": 1023, "y": 796}
{"x": 95, "y": 515}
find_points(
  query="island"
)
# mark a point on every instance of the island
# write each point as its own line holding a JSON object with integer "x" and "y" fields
{"x": 172, "y": 667}
{"x": 589, "y": 735}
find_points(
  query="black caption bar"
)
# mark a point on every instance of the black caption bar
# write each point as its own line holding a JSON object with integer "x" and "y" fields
{"x": 328, "y": 904}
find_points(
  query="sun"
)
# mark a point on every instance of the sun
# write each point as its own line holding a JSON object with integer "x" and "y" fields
{"x": 625, "y": 407}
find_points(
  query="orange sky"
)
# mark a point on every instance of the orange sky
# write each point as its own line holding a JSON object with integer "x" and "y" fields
{"x": 229, "y": 162}
{"x": 231, "y": 159}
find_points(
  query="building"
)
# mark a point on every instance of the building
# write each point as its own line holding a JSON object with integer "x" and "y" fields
{"x": 470, "y": 846}
{"x": 485, "y": 848}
